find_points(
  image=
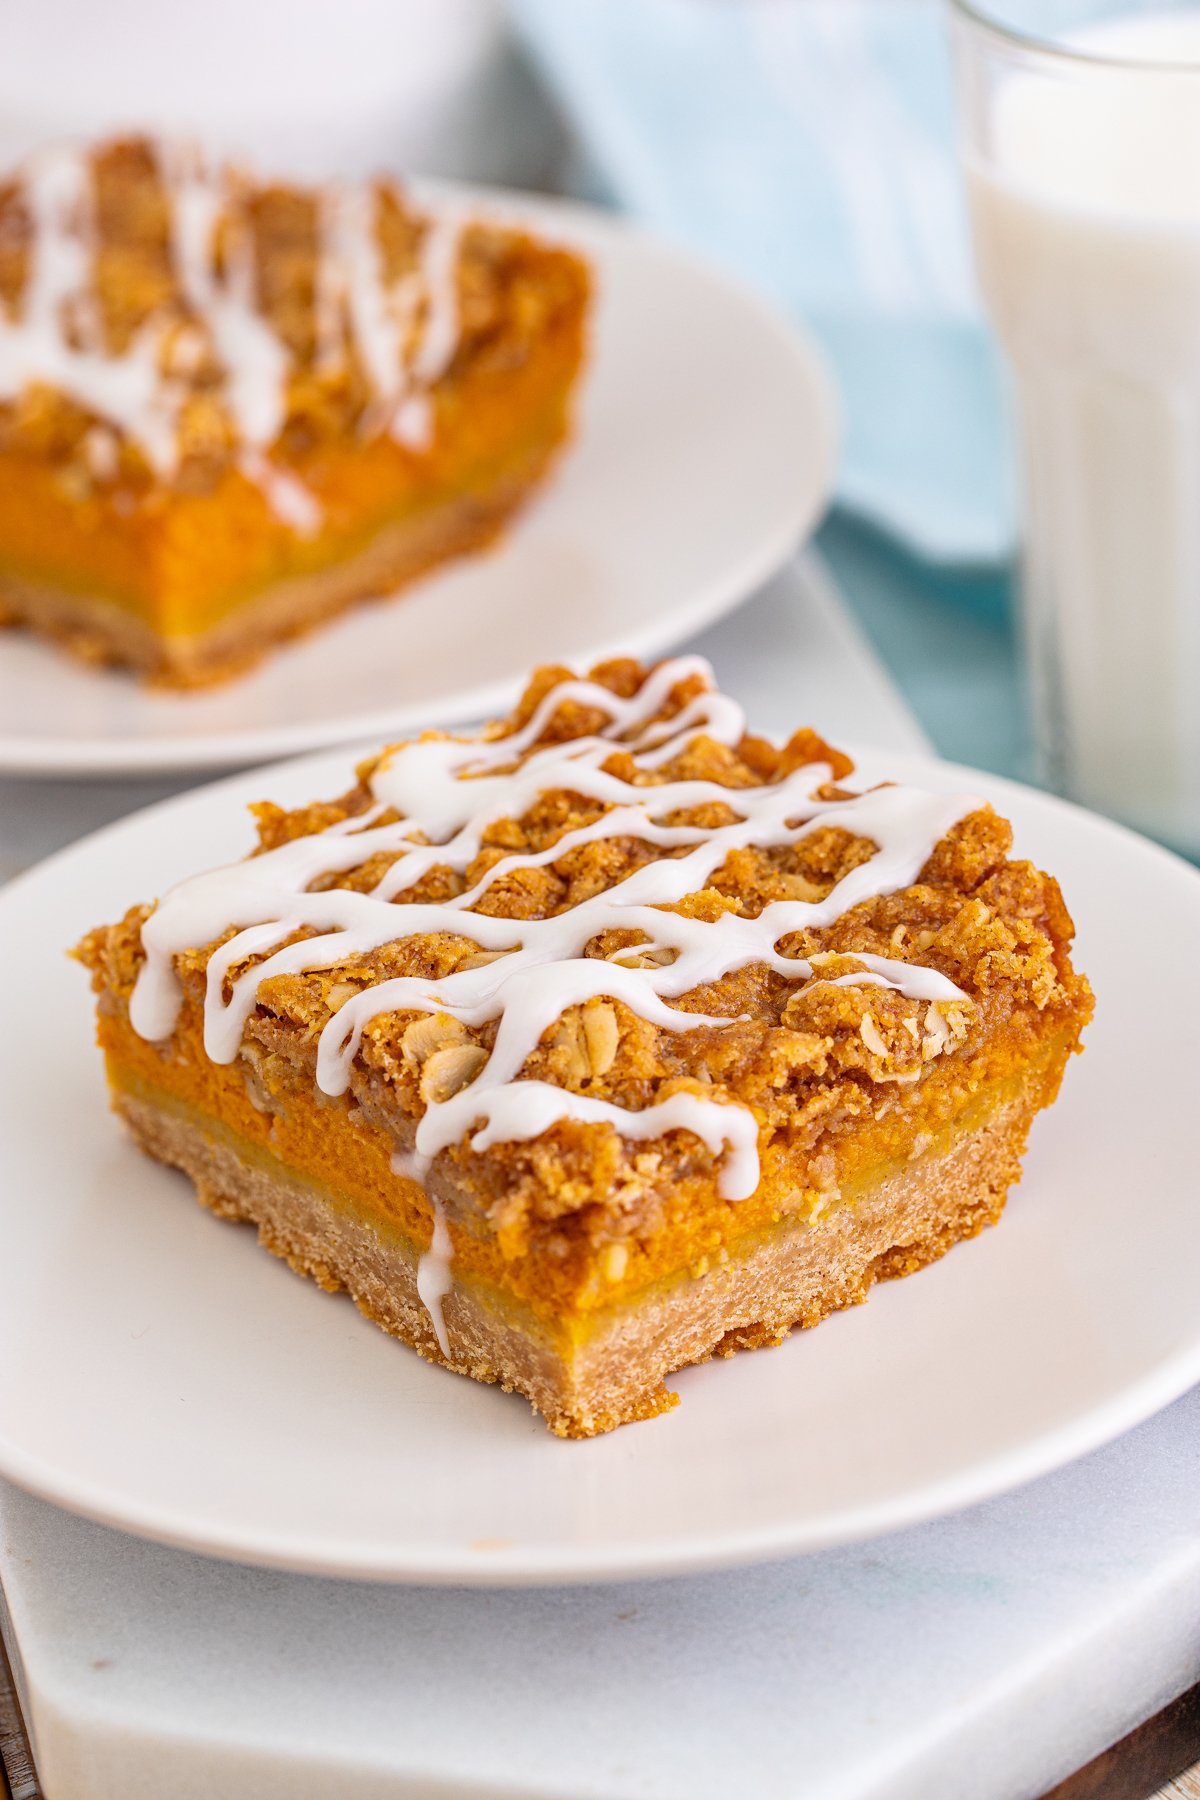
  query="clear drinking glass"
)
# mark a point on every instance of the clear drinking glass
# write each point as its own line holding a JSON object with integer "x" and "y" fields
{"x": 1081, "y": 130}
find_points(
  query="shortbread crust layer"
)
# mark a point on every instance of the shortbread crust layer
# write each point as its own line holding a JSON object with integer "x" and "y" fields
{"x": 593, "y": 1371}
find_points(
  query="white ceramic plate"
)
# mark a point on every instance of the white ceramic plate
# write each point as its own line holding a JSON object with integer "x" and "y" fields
{"x": 705, "y": 450}
{"x": 161, "y": 1372}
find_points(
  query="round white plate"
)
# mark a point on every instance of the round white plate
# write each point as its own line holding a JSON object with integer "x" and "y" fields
{"x": 161, "y": 1372}
{"x": 704, "y": 451}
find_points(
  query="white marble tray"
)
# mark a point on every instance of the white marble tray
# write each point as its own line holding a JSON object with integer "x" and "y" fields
{"x": 979, "y": 1658}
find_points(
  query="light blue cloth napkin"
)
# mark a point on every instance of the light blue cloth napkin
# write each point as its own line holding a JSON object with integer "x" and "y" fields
{"x": 809, "y": 145}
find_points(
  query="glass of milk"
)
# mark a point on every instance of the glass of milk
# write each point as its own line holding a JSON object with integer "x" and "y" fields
{"x": 1082, "y": 130}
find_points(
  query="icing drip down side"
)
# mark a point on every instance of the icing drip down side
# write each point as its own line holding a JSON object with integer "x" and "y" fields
{"x": 449, "y": 791}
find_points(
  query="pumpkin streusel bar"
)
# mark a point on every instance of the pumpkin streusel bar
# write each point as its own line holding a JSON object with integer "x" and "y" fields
{"x": 601, "y": 1042}
{"x": 229, "y": 409}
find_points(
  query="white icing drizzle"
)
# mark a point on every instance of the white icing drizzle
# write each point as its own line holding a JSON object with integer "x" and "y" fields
{"x": 351, "y": 267}
{"x": 382, "y": 316}
{"x": 254, "y": 359}
{"x": 439, "y": 278}
{"x": 412, "y": 422}
{"x": 127, "y": 389}
{"x": 449, "y": 790}
{"x": 256, "y": 362}
{"x": 100, "y": 450}
{"x": 405, "y": 333}
{"x": 288, "y": 497}
{"x": 434, "y": 1280}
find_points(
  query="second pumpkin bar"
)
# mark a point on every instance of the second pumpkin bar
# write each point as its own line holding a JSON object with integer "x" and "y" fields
{"x": 228, "y": 410}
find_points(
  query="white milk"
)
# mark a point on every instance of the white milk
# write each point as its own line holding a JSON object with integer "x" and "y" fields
{"x": 1087, "y": 224}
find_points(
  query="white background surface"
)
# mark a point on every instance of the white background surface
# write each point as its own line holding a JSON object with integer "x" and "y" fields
{"x": 400, "y": 84}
